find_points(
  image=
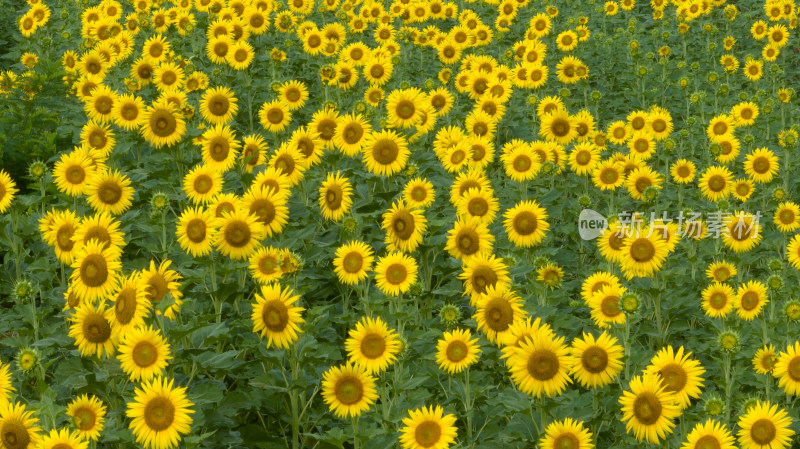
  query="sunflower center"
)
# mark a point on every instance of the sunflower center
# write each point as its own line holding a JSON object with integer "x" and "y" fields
{"x": 750, "y": 301}
{"x": 720, "y": 128}
{"x": 647, "y": 408}
{"x": 353, "y": 262}
{"x": 97, "y": 138}
{"x": 594, "y": 359}
{"x": 673, "y": 377}
{"x": 405, "y": 109}
{"x": 85, "y": 418}
{"x": 333, "y": 197}
{"x": 159, "y": 413}
{"x": 376, "y": 71}
{"x": 275, "y": 116}
{"x": 522, "y": 163}
{"x": 683, "y": 171}
{"x": 129, "y": 112}
{"x": 203, "y": 184}
{"x": 566, "y": 441}
{"x": 419, "y": 193}
{"x": 396, "y": 273}
{"x": 560, "y": 127}
{"x": 14, "y": 435}
{"x": 763, "y": 431}
{"x": 498, "y": 314}
{"x": 352, "y": 133}
{"x": 793, "y": 370}
{"x": 241, "y": 55}
{"x": 196, "y": 230}
{"x": 609, "y": 175}
{"x": 740, "y": 230}
{"x": 144, "y": 354}
{"x": 237, "y": 234}
{"x": 275, "y": 315}
{"x": 707, "y": 442}
{"x": 169, "y": 78}
{"x": 96, "y": 328}
{"x": 64, "y": 237}
{"x": 125, "y": 305}
{"x": 483, "y": 277}
{"x": 109, "y": 192}
{"x": 264, "y": 210}
{"x": 457, "y": 351}
{"x": 75, "y": 174}
{"x": 348, "y": 390}
{"x": 403, "y": 224}
{"x": 373, "y": 346}
{"x": 427, "y": 434}
{"x": 292, "y": 94}
{"x": 219, "y": 148}
{"x": 163, "y": 123}
{"x": 761, "y": 165}
{"x": 716, "y": 183}
{"x": 718, "y": 300}
{"x": 543, "y": 364}
{"x": 94, "y": 270}
{"x": 385, "y": 151}
{"x": 786, "y": 217}
{"x": 642, "y": 250}
{"x": 609, "y": 306}
{"x": 103, "y": 105}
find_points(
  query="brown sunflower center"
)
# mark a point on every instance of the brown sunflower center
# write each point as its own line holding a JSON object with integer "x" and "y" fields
{"x": 385, "y": 151}
{"x": 159, "y": 413}
{"x": 457, "y": 351}
{"x": 348, "y": 390}
{"x": 144, "y": 354}
{"x": 427, "y": 434}
{"x": 403, "y": 224}
{"x": 609, "y": 306}
{"x": 566, "y": 440}
{"x": 419, "y": 193}
{"x": 125, "y": 305}
{"x": 609, "y": 175}
{"x": 75, "y": 174}
{"x": 674, "y": 377}
{"x": 85, "y": 418}
{"x": 333, "y": 197}
{"x": 237, "y": 234}
{"x": 647, "y": 408}
{"x": 560, "y": 127}
{"x": 96, "y": 328}
{"x": 218, "y": 105}
{"x": 163, "y": 123}
{"x": 129, "y": 111}
{"x": 64, "y": 237}
{"x": 97, "y": 138}
{"x": 352, "y": 133}
{"x": 196, "y": 230}
{"x": 109, "y": 192}
{"x": 353, "y": 262}
{"x": 373, "y": 346}
{"x": 750, "y": 300}
{"x": 717, "y": 300}
{"x": 468, "y": 241}
{"x": 761, "y": 165}
{"x": 396, "y": 273}
{"x": 219, "y": 148}
{"x": 543, "y": 364}
{"x": 763, "y": 431}
{"x": 14, "y": 434}
{"x": 264, "y": 209}
{"x": 498, "y": 314}
{"x": 103, "y": 104}
{"x": 483, "y": 277}
{"x": 94, "y": 270}
{"x": 707, "y": 442}
{"x": 594, "y": 359}
{"x": 275, "y": 116}
{"x": 522, "y": 163}
{"x": 275, "y": 315}
{"x": 793, "y": 370}
{"x": 203, "y": 184}
{"x": 642, "y": 250}
{"x": 684, "y": 171}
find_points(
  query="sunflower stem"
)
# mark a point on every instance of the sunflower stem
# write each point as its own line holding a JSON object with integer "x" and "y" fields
{"x": 356, "y": 442}
{"x": 468, "y": 406}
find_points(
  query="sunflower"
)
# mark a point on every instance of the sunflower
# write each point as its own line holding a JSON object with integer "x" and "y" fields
{"x": 202, "y": 184}
{"x": 6, "y": 388}
{"x": 289, "y": 162}
{"x": 643, "y": 254}
{"x": 162, "y": 124}
{"x": 293, "y": 94}
{"x": 721, "y": 271}
{"x": 274, "y": 116}
{"x": 765, "y": 425}
{"x": 168, "y": 76}
{"x": 761, "y": 165}
{"x": 100, "y": 104}
{"x": 109, "y": 192}
{"x": 521, "y": 163}
{"x": 608, "y": 175}
{"x": 265, "y": 265}
{"x": 309, "y": 146}
{"x": 18, "y": 427}
{"x": 753, "y": 69}
{"x": 718, "y": 300}
{"x": 468, "y": 238}
{"x": 787, "y": 369}
{"x": 91, "y": 330}
{"x": 649, "y": 409}
{"x": 240, "y": 55}
{"x": 101, "y": 228}
{"x": 745, "y": 113}
{"x": 558, "y": 126}
{"x": 268, "y": 207}
{"x": 404, "y": 227}
{"x": 335, "y": 197}
{"x": 253, "y": 149}
{"x": 275, "y": 316}
{"x": 640, "y": 179}
{"x": 239, "y": 233}
{"x": 764, "y": 359}
{"x": 348, "y": 390}
{"x": 604, "y": 306}
{"x": 385, "y": 152}
{"x": 419, "y": 192}
{"x": 194, "y": 231}
{"x": 71, "y": 174}
{"x": 395, "y": 272}
{"x": 159, "y": 413}
{"x": 98, "y": 139}
{"x": 787, "y": 216}
{"x": 584, "y": 158}
{"x": 482, "y": 272}
{"x": 220, "y": 147}
{"x": 659, "y": 123}
{"x": 497, "y": 310}
{"x": 128, "y": 111}
{"x": 750, "y": 300}
{"x": 680, "y": 375}
{"x": 683, "y": 171}
{"x": 372, "y": 346}
{"x": 352, "y": 262}
{"x": 143, "y": 353}
{"x": 566, "y": 434}
{"x": 428, "y": 428}
{"x": 351, "y": 133}
{"x": 541, "y": 365}
{"x": 60, "y": 234}
{"x": 793, "y": 252}
{"x": 642, "y": 145}
{"x": 596, "y": 362}
{"x": 158, "y": 282}
{"x": 95, "y": 270}
{"x": 88, "y": 414}
{"x": 218, "y": 105}
{"x": 456, "y": 351}
{"x": 710, "y": 434}
{"x": 741, "y": 232}
{"x": 596, "y": 282}
{"x": 131, "y": 305}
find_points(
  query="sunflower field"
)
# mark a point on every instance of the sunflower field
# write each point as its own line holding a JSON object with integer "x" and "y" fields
{"x": 416, "y": 224}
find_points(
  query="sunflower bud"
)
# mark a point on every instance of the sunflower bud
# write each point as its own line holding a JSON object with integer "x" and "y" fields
{"x": 37, "y": 169}
{"x": 630, "y": 303}
{"x": 729, "y": 341}
{"x": 584, "y": 201}
{"x": 450, "y": 315}
{"x": 23, "y": 290}
{"x": 775, "y": 282}
{"x": 27, "y": 359}
{"x": 159, "y": 201}
{"x": 775, "y": 265}
{"x": 792, "y": 310}
{"x": 714, "y": 406}
{"x": 778, "y": 194}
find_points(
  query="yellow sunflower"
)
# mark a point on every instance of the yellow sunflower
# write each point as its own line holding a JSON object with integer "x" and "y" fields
{"x": 101, "y": 228}
{"x": 541, "y": 365}
{"x": 764, "y": 425}
{"x": 787, "y": 369}
{"x": 643, "y": 254}
{"x": 143, "y": 353}
{"x": 468, "y": 238}
{"x": 95, "y": 270}
{"x": 456, "y": 351}
{"x": 19, "y": 427}
{"x": 159, "y": 413}
{"x": 162, "y": 124}
{"x": 220, "y": 148}
{"x": 764, "y": 359}
{"x": 275, "y": 317}
{"x": 265, "y": 265}
{"x": 269, "y": 208}
{"x": 718, "y": 300}
{"x": 761, "y": 165}
{"x": 274, "y": 116}
{"x": 721, "y": 271}
{"x": 62, "y": 439}
{"x": 351, "y": 134}
{"x": 385, "y": 152}
{"x": 335, "y": 197}
{"x": 648, "y": 409}
{"x": 751, "y": 297}
{"x": 566, "y": 434}
{"x": 741, "y": 232}
{"x": 348, "y": 390}
{"x": 608, "y": 175}
{"x": 395, "y": 272}
{"x": 558, "y": 126}
{"x": 481, "y": 272}
{"x": 288, "y": 161}
{"x": 88, "y": 414}
{"x": 238, "y": 234}
{"x": 131, "y": 305}
{"x": 596, "y": 362}
{"x": 709, "y": 434}
{"x": 372, "y": 346}
{"x": 71, "y": 173}
{"x": 109, "y": 191}
{"x": 525, "y": 224}
{"x": 787, "y": 216}
{"x": 6, "y": 388}
{"x": 680, "y": 374}
{"x": 202, "y": 184}
{"x": 604, "y": 306}
{"x": 404, "y": 227}
{"x": 194, "y": 231}
{"x": 596, "y": 282}
{"x": 428, "y": 428}
{"x": 352, "y": 262}
{"x": 419, "y": 192}
{"x": 403, "y": 107}
{"x": 91, "y": 329}
{"x": 128, "y": 112}
{"x": 716, "y": 183}
{"x": 160, "y": 281}
{"x": 497, "y": 311}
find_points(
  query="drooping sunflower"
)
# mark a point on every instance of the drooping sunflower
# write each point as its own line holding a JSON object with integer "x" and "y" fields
{"x": 596, "y": 362}
{"x": 275, "y": 317}
{"x": 643, "y": 254}
{"x": 335, "y": 197}
{"x": 220, "y": 148}
{"x": 741, "y": 232}
{"x": 395, "y": 272}
{"x": 143, "y": 353}
{"x": 751, "y": 297}
{"x": 428, "y": 428}
{"x": 456, "y": 351}
{"x": 385, "y": 152}
{"x": 481, "y": 272}
{"x": 404, "y": 227}
{"x": 372, "y": 345}
{"x": 541, "y": 365}
{"x": 419, "y": 192}
{"x": 648, "y": 409}
{"x": 680, "y": 374}
{"x": 604, "y": 306}
{"x": 162, "y": 124}
{"x": 787, "y": 216}
{"x": 131, "y": 305}
{"x": 109, "y": 191}
{"x": 19, "y": 427}
{"x": 761, "y": 165}
{"x": 765, "y": 425}
{"x": 96, "y": 270}
{"x": 352, "y": 262}
{"x": 348, "y": 390}
{"x": 194, "y": 231}
{"x": 787, "y": 369}
{"x": 268, "y": 207}
{"x": 91, "y": 329}
{"x": 566, "y": 434}
{"x": 238, "y": 234}
{"x": 718, "y": 300}
{"x": 159, "y": 413}
{"x": 468, "y": 238}
{"x": 160, "y": 281}
{"x": 709, "y": 434}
